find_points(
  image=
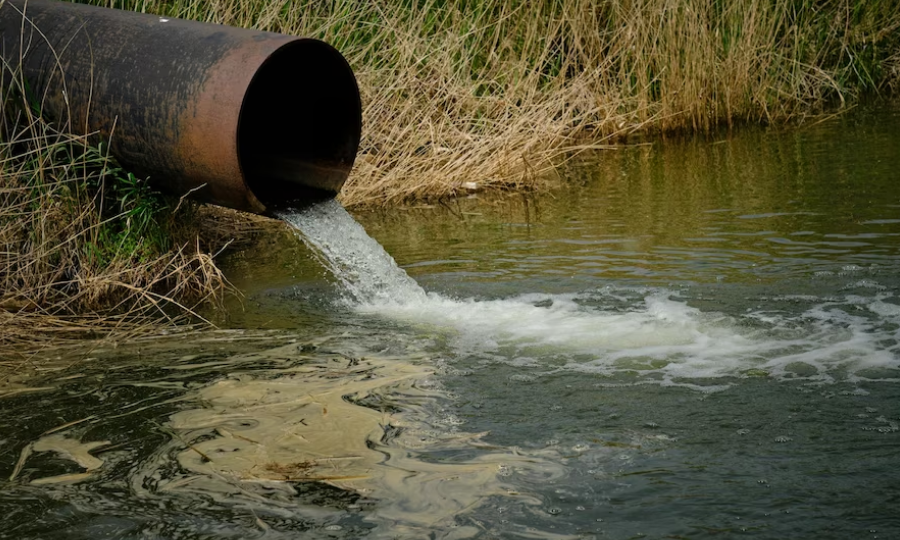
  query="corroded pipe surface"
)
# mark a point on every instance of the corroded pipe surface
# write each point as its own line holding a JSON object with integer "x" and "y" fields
{"x": 245, "y": 119}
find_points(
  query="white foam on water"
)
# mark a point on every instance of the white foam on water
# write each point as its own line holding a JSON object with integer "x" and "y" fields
{"x": 658, "y": 337}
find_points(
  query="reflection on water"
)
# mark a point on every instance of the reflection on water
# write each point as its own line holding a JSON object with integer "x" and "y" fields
{"x": 704, "y": 331}
{"x": 695, "y": 339}
{"x": 761, "y": 204}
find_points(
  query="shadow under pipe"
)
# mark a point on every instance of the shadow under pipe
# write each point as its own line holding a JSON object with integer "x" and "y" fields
{"x": 254, "y": 121}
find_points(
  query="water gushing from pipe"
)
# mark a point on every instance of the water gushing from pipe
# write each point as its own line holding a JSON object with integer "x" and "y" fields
{"x": 366, "y": 272}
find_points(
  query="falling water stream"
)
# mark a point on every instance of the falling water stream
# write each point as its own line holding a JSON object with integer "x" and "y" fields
{"x": 619, "y": 330}
{"x": 695, "y": 339}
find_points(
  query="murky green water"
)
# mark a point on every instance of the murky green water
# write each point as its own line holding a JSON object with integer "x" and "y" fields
{"x": 697, "y": 339}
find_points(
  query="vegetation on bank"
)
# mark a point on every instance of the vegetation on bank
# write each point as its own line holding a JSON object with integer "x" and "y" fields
{"x": 497, "y": 92}
{"x": 491, "y": 92}
{"x": 87, "y": 248}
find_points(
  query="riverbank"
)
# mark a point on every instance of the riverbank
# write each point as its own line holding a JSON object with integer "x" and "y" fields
{"x": 494, "y": 95}
{"x": 694, "y": 335}
{"x": 458, "y": 97}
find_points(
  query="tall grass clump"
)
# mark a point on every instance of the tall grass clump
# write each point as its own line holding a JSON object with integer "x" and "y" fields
{"x": 87, "y": 248}
{"x": 496, "y": 92}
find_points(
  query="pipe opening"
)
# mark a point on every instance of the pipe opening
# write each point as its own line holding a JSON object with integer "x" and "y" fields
{"x": 300, "y": 125}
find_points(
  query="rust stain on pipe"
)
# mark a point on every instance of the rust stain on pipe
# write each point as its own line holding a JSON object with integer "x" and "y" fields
{"x": 212, "y": 158}
{"x": 241, "y": 118}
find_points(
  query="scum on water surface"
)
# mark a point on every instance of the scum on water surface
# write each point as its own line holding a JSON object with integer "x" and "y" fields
{"x": 695, "y": 339}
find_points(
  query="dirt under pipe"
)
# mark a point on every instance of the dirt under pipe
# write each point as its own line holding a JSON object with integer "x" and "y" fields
{"x": 240, "y": 118}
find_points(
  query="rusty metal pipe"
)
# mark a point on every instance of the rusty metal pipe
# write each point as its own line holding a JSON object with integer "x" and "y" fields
{"x": 240, "y": 118}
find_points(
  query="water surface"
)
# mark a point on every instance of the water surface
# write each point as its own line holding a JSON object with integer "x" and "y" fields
{"x": 694, "y": 339}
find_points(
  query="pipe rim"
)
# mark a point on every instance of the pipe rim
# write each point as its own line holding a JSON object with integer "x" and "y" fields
{"x": 299, "y": 125}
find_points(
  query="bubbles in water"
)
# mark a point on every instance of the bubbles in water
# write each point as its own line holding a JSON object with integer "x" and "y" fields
{"x": 850, "y": 269}
{"x": 866, "y": 283}
{"x": 644, "y": 335}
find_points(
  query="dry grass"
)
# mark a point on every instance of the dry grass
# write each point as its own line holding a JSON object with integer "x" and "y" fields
{"x": 892, "y": 67}
{"x": 498, "y": 92}
{"x": 457, "y": 95}
{"x": 77, "y": 258}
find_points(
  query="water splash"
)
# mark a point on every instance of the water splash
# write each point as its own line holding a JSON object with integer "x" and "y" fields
{"x": 368, "y": 275}
{"x": 646, "y": 332}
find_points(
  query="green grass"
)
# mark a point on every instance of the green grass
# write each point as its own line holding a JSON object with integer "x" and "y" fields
{"x": 86, "y": 246}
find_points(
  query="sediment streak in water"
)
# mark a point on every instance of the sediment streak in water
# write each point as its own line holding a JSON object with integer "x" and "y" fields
{"x": 358, "y": 424}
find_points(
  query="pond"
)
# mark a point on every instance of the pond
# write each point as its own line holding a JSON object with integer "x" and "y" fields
{"x": 695, "y": 338}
